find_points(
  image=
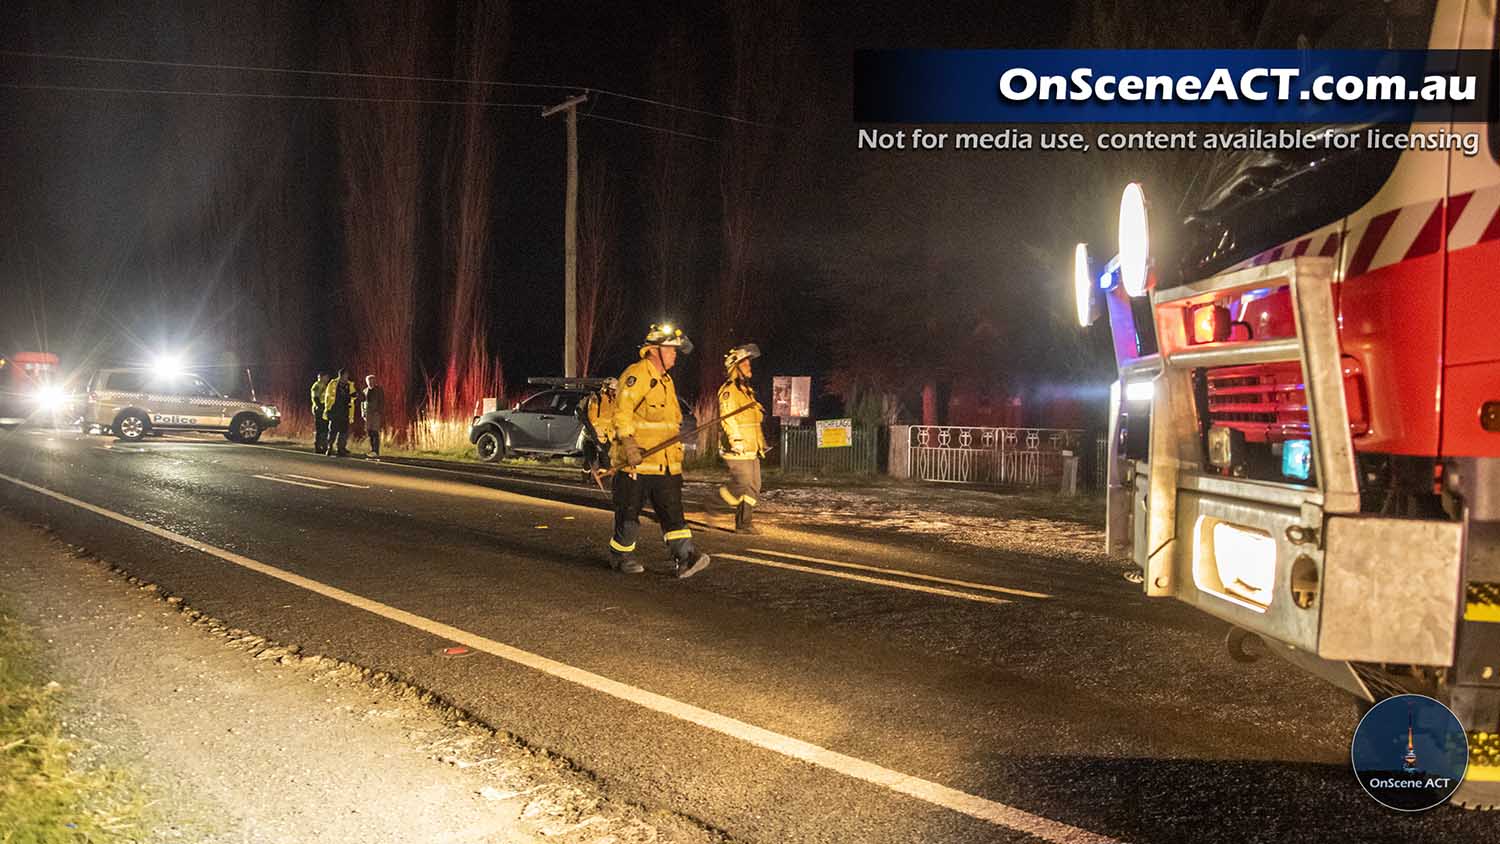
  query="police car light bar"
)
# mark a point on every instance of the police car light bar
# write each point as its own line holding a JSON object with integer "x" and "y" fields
{"x": 567, "y": 383}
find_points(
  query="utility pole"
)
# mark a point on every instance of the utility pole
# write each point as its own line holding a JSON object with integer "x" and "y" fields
{"x": 570, "y": 238}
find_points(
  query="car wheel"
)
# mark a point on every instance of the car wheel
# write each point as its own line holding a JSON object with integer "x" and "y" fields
{"x": 132, "y": 426}
{"x": 490, "y": 447}
{"x": 245, "y": 428}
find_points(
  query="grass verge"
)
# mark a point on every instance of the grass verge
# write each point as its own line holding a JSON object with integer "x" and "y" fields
{"x": 44, "y": 798}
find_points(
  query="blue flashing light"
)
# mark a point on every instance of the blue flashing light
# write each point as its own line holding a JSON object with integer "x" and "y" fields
{"x": 1296, "y": 459}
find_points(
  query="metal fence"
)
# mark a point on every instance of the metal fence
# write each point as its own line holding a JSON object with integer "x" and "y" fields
{"x": 800, "y": 452}
{"x": 1000, "y": 456}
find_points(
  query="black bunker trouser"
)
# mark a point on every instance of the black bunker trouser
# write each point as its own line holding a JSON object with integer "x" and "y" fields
{"x": 338, "y": 433}
{"x": 320, "y": 430}
{"x": 665, "y": 494}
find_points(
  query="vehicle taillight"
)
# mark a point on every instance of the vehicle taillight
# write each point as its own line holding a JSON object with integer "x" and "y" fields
{"x": 1211, "y": 324}
{"x": 1356, "y": 395}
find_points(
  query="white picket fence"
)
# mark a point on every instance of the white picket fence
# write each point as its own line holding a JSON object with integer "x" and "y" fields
{"x": 1031, "y": 457}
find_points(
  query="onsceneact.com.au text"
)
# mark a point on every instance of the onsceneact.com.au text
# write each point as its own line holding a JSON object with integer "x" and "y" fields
{"x": 1258, "y": 84}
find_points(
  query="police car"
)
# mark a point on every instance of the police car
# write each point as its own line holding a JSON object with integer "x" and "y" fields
{"x": 131, "y": 403}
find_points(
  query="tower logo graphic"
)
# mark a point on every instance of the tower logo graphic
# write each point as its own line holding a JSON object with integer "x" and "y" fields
{"x": 1409, "y": 753}
{"x": 1409, "y": 761}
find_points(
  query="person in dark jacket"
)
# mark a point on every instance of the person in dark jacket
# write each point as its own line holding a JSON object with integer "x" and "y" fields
{"x": 372, "y": 408}
{"x": 338, "y": 409}
{"x": 320, "y": 422}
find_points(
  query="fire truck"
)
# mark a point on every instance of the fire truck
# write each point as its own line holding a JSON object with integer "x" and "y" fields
{"x": 1305, "y": 433}
{"x": 29, "y": 388}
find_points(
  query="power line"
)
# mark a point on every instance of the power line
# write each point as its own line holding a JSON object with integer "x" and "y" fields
{"x": 384, "y": 77}
{"x": 256, "y": 95}
{"x": 664, "y": 130}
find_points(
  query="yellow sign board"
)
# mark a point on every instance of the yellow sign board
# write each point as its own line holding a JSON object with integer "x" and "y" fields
{"x": 835, "y": 433}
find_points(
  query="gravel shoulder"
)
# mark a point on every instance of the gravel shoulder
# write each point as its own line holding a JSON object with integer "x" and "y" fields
{"x": 231, "y": 738}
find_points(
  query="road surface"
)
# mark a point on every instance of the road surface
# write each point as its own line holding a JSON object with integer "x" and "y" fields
{"x": 813, "y": 685}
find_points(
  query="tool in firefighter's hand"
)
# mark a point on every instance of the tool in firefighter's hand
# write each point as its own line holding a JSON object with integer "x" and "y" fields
{"x": 600, "y": 474}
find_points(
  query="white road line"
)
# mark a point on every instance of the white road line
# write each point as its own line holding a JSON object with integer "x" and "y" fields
{"x": 878, "y": 581}
{"x": 293, "y": 483}
{"x": 928, "y": 577}
{"x": 325, "y": 481}
{"x": 483, "y": 475}
{"x": 974, "y": 806}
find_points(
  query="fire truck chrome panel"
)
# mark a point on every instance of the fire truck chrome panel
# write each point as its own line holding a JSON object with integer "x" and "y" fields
{"x": 1380, "y": 607}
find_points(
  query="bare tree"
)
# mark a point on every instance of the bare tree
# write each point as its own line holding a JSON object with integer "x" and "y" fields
{"x": 672, "y": 176}
{"x": 763, "y": 67}
{"x": 599, "y": 297}
{"x": 380, "y": 165}
{"x": 470, "y": 370}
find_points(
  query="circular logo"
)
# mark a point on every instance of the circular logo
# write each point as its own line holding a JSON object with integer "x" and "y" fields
{"x": 1410, "y": 753}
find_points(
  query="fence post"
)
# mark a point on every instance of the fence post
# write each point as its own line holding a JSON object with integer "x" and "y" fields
{"x": 1069, "y": 473}
{"x": 899, "y": 463}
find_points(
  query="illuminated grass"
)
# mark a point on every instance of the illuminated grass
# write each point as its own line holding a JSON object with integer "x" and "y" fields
{"x": 44, "y": 799}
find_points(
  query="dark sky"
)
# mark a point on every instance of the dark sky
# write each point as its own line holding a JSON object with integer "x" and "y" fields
{"x": 110, "y": 241}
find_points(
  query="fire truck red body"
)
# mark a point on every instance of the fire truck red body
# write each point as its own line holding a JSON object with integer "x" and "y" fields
{"x": 1306, "y": 429}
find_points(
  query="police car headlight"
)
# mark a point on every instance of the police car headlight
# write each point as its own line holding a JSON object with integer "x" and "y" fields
{"x": 270, "y": 410}
{"x": 1135, "y": 240}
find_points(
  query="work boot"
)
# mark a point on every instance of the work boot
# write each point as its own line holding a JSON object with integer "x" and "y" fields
{"x": 742, "y": 522}
{"x": 625, "y": 565}
{"x": 686, "y": 569}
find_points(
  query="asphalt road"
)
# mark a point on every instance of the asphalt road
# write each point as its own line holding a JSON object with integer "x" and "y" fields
{"x": 810, "y": 686}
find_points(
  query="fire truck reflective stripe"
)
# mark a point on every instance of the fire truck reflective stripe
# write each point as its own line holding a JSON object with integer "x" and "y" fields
{"x": 1393, "y": 243}
{"x": 1331, "y": 245}
{"x": 1369, "y": 240}
{"x": 1429, "y": 238}
{"x": 1478, "y": 212}
{"x": 1482, "y": 602}
{"x": 1456, "y": 206}
{"x": 1399, "y": 234}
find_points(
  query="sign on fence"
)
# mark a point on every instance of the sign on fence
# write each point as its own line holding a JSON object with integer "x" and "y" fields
{"x": 835, "y": 433}
{"x": 790, "y": 395}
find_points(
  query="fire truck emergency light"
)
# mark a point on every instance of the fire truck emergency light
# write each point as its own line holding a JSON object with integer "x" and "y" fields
{"x": 1135, "y": 240}
{"x": 1083, "y": 287}
{"x": 1211, "y": 324}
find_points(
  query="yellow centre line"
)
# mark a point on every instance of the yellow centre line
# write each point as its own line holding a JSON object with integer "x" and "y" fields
{"x": 928, "y": 577}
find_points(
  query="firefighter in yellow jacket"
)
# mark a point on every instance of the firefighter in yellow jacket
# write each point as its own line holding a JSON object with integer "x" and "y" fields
{"x": 647, "y": 415}
{"x": 742, "y": 443}
{"x": 599, "y": 416}
{"x": 338, "y": 408}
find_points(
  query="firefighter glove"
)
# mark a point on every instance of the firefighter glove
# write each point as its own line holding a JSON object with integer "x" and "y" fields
{"x": 633, "y": 453}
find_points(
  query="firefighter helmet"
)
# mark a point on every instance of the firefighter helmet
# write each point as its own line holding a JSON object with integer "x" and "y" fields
{"x": 738, "y": 354}
{"x": 666, "y": 335}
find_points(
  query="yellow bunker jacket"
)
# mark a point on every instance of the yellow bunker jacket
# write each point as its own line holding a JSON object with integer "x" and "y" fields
{"x": 646, "y": 408}
{"x": 316, "y": 393}
{"x": 600, "y": 413}
{"x": 331, "y": 395}
{"x": 741, "y": 437}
